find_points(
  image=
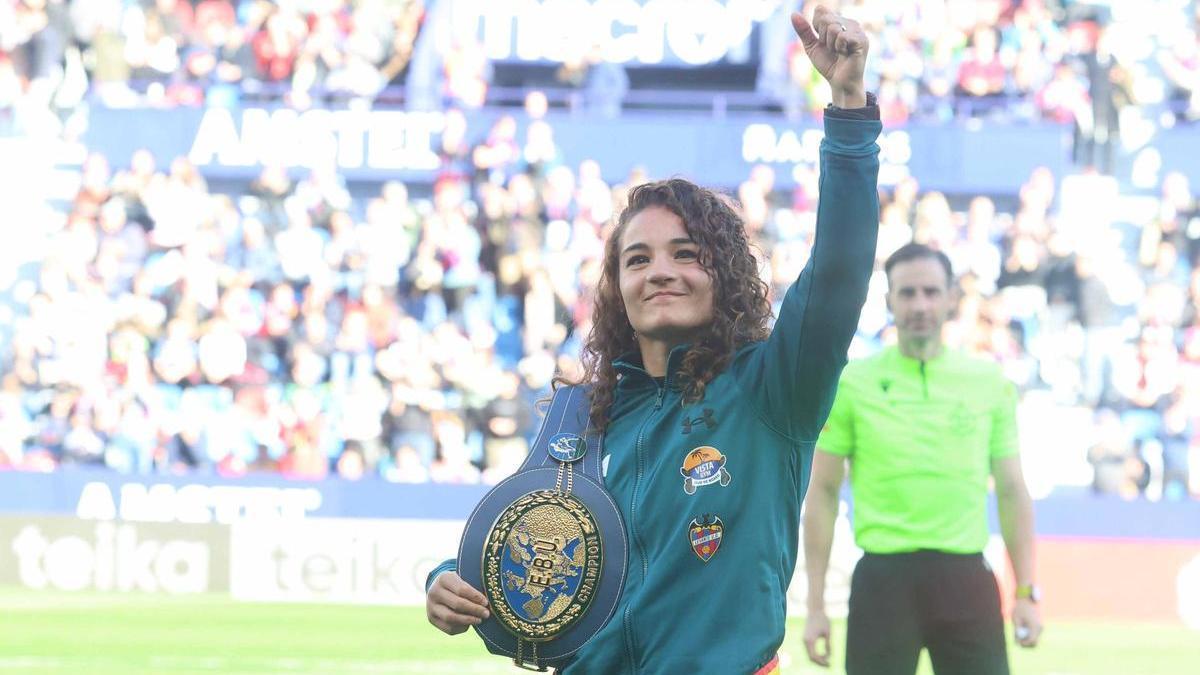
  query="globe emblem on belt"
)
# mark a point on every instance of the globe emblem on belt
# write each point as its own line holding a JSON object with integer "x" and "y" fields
{"x": 541, "y": 564}
{"x": 567, "y": 447}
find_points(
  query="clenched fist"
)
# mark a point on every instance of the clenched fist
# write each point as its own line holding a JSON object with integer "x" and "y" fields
{"x": 837, "y": 47}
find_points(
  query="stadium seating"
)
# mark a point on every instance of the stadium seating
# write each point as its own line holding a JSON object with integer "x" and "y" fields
{"x": 311, "y": 322}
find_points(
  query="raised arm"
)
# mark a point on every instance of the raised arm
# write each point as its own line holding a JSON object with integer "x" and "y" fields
{"x": 793, "y": 378}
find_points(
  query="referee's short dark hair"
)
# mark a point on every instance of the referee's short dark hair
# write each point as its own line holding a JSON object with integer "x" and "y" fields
{"x": 914, "y": 251}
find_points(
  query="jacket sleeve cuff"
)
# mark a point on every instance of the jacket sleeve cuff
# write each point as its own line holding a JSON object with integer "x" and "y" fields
{"x": 868, "y": 112}
{"x": 447, "y": 566}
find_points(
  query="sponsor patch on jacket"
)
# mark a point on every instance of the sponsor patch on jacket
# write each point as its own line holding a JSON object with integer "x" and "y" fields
{"x": 704, "y": 465}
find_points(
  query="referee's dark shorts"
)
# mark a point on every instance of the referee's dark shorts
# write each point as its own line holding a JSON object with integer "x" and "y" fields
{"x": 946, "y": 602}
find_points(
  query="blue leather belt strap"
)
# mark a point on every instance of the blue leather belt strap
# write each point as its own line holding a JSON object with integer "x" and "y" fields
{"x": 569, "y": 413}
{"x": 566, "y": 421}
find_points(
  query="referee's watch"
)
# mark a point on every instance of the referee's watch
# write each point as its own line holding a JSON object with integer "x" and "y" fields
{"x": 1029, "y": 592}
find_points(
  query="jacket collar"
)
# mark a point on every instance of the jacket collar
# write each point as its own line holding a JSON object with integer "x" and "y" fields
{"x": 634, "y": 374}
{"x": 902, "y": 361}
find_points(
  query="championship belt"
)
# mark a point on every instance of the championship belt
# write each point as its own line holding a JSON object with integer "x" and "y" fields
{"x": 547, "y": 545}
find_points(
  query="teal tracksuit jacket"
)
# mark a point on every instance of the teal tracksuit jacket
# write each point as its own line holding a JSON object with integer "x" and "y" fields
{"x": 711, "y": 491}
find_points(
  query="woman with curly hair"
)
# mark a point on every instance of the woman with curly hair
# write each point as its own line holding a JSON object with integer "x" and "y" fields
{"x": 709, "y": 413}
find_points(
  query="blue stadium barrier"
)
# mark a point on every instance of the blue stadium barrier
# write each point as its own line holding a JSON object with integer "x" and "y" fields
{"x": 206, "y": 498}
{"x": 377, "y": 145}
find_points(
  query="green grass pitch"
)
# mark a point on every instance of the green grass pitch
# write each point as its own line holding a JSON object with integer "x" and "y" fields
{"x": 112, "y": 633}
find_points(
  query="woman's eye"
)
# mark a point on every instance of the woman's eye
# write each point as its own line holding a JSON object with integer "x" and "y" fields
{"x": 685, "y": 253}
{"x": 636, "y": 260}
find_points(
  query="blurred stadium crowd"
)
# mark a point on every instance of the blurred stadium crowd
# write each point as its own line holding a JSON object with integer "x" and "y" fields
{"x": 290, "y": 327}
{"x": 933, "y": 59}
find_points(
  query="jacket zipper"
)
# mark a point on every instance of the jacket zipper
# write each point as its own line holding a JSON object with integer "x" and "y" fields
{"x": 637, "y": 481}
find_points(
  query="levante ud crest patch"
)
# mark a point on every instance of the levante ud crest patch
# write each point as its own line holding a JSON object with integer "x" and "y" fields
{"x": 705, "y": 536}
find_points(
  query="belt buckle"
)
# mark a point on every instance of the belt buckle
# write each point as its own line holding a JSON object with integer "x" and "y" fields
{"x": 541, "y": 564}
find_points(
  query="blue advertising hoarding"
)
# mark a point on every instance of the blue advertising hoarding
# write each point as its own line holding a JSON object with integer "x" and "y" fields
{"x": 265, "y": 538}
{"x": 100, "y": 494}
{"x": 374, "y": 145}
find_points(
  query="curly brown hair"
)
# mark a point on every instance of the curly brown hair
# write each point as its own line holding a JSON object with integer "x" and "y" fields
{"x": 741, "y": 310}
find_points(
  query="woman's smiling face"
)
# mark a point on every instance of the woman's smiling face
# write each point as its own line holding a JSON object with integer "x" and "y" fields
{"x": 668, "y": 293}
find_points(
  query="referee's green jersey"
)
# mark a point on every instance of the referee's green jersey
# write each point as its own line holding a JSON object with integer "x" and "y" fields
{"x": 921, "y": 436}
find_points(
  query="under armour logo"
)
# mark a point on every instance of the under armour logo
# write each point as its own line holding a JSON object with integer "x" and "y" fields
{"x": 707, "y": 418}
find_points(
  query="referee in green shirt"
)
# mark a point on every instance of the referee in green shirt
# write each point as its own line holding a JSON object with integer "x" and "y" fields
{"x": 922, "y": 428}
